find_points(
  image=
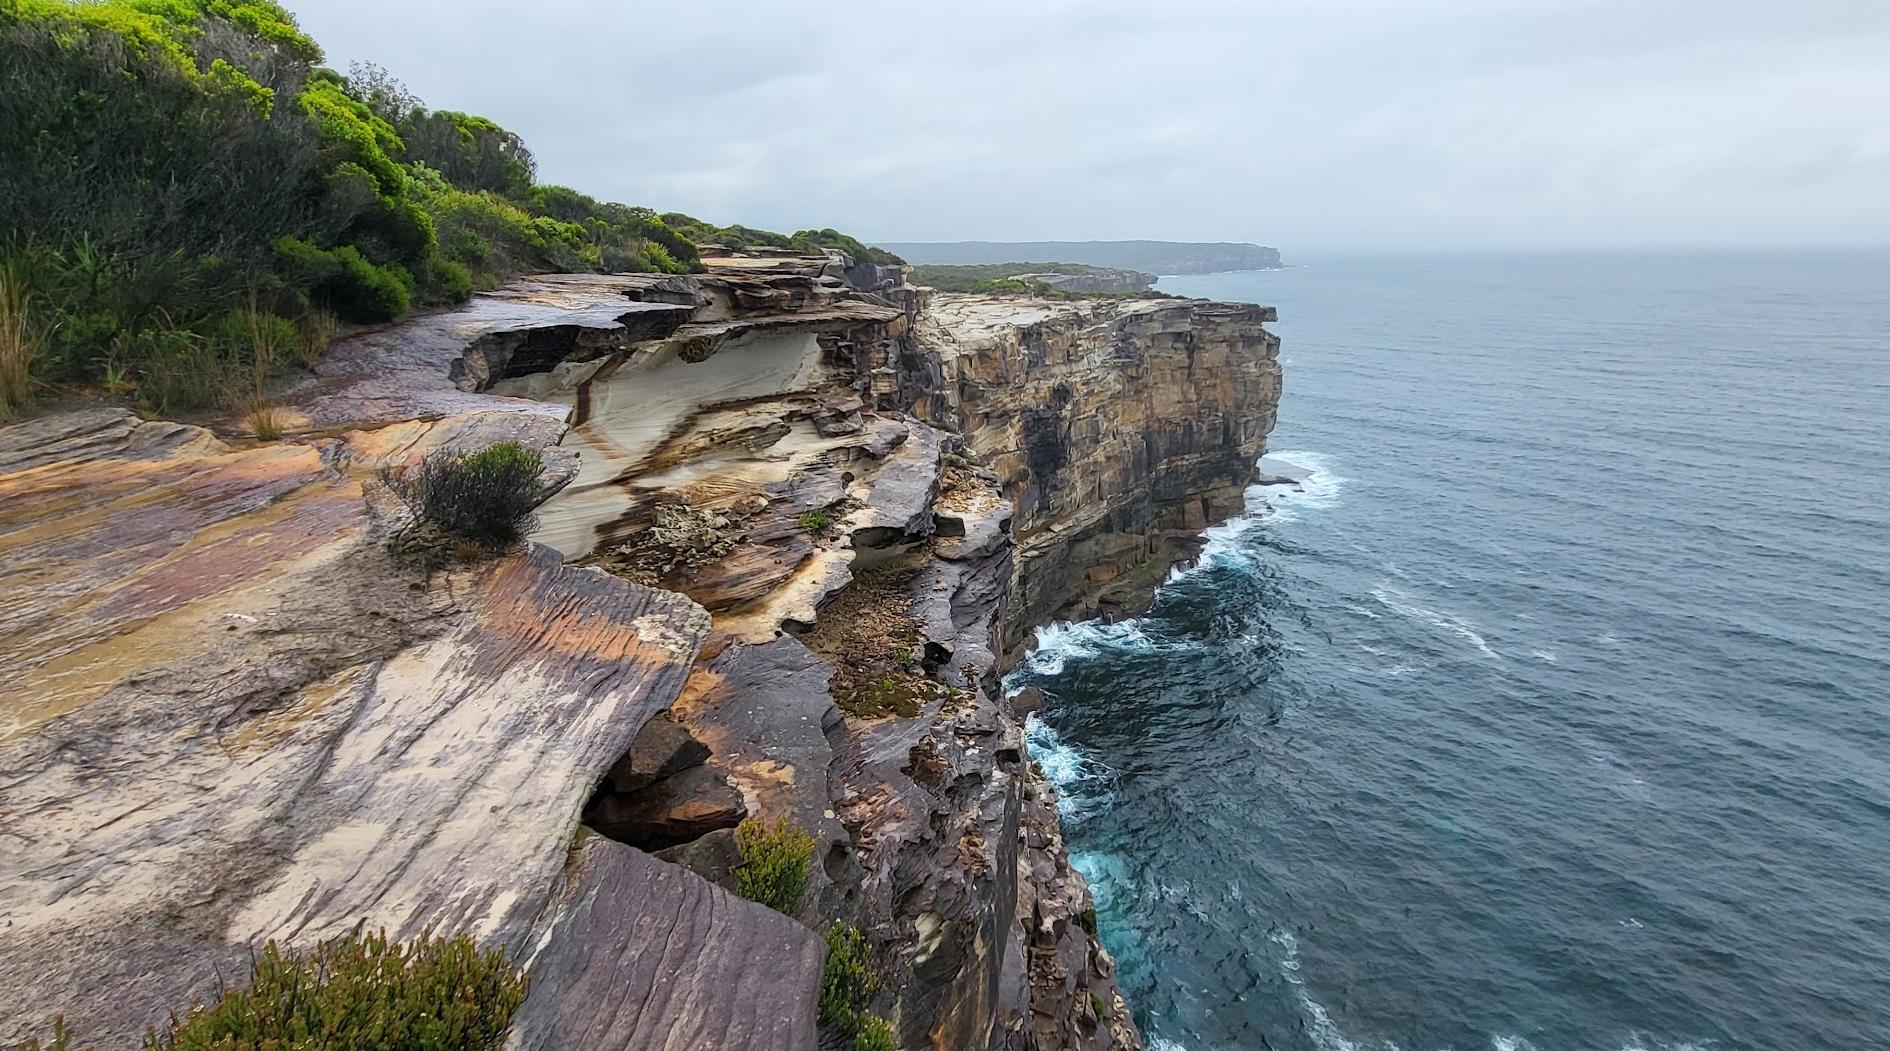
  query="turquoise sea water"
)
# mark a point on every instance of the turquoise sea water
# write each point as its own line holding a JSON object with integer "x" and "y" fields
{"x": 1553, "y": 711}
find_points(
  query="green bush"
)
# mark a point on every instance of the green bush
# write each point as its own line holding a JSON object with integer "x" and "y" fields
{"x": 775, "y": 860}
{"x": 875, "y": 1034}
{"x": 435, "y": 994}
{"x": 485, "y": 497}
{"x": 356, "y": 992}
{"x": 848, "y": 986}
{"x": 344, "y": 281}
{"x": 829, "y": 238}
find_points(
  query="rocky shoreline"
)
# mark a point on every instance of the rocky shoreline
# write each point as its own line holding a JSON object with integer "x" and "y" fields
{"x": 806, "y": 516}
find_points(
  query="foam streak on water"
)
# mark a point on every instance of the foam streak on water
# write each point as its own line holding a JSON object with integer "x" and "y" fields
{"x": 1547, "y": 713}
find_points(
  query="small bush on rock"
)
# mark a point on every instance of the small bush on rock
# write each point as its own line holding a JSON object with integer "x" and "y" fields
{"x": 361, "y": 991}
{"x": 484, "y": 497}
{"x": 815, "y": 522}
{"x": 774, "y": 865}
{"x": 436, "y": 994}
{"x": 847, "y": 988}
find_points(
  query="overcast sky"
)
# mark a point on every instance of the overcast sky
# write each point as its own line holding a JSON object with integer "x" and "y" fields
{"x": 1314, "y": 125}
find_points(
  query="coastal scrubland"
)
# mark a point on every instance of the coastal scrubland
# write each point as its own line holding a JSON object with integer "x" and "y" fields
{"x": 189, "y": 173}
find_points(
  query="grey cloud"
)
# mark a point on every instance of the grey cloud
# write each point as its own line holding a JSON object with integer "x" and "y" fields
{"x": 1311, "y": 124}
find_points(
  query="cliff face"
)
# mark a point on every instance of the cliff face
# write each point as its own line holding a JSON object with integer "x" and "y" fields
{"x": 1120, "y": 431}
{"x": 810, "y": 513}
{"x": 1095, "y": 279}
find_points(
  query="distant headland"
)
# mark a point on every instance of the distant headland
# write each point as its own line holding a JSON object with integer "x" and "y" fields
{"x": 1157, "y": 257}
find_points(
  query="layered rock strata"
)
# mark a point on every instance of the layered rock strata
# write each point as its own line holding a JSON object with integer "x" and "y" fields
{"x": 1093, "y": 279}
{"x": 802, "y": 516}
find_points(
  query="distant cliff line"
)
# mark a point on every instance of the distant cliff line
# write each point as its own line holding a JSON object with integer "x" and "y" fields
{"x": 1158, "y": 257}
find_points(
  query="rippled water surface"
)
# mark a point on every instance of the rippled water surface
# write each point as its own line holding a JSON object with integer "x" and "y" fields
{"x": 1554, "y": 711}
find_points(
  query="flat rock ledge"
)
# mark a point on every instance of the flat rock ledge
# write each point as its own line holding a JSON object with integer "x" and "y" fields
{"x": 231, "y": 717}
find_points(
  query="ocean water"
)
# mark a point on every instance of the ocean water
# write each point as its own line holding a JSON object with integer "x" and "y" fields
{"x": 1553, "y": 711}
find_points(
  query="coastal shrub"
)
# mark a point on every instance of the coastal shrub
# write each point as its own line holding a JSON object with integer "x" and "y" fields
{"x": 485, "y": 497}
{"x": 167, "y": 160}
{"x": 432, "y": 994}
{"x": 775, "y": 860}
{"x": 848, "y": 985}
{"x": 345, "y": 282}
{"x": 354, "y": 992}
{"x": 829, "y": 238}
{"x": 472, "y": 152}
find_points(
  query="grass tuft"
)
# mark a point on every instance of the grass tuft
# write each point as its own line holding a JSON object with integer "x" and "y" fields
{"x": 266, "y": 420}
{"x": 313, "y": 333}
{"x": 18, "y": 345}
{"x": 815, "y": 522}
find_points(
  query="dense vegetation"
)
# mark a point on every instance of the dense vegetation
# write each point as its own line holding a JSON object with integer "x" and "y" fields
{"x": 433, "y": 994}
{"x": 966, "y": 277}
{"x": 998, "y": 279}
{"x": 802, "y": 240}
{"x": 171, "y": 162}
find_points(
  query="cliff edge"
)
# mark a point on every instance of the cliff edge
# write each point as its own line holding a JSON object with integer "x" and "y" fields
{"x": 805, "y": 516}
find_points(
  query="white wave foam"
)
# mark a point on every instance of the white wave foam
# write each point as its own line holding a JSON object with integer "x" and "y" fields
{"x": 1082, "y": 782}
{"x": 1400, "y": 603}
{"x": 1545, "y": 655}
{"x": 1319, "y": 487}
{"x": 1320, "y": 1027}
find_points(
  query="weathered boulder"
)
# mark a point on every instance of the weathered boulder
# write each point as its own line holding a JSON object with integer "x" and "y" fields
{"x": 668, "y": 812}
{"x": 661, "y": 749}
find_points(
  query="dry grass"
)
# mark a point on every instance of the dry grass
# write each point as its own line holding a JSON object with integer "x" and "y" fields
{"x": 265, "y": 419}
{"x": 18, "y": 345}
{"x": 313, "y": 334}
{"x": 269, "y": 338}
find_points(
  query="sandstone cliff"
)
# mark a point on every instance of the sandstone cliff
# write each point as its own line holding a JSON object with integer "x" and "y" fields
{"x": 805, "y": 516}
{"x": 1092, "y": 279}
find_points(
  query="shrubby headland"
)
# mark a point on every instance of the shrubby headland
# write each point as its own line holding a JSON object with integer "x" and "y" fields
{"x": 185, "y": 185}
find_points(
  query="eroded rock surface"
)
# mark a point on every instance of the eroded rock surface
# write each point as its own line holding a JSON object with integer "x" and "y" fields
{"x": 231, "y": 717}
{"x": 807, "y": 511}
